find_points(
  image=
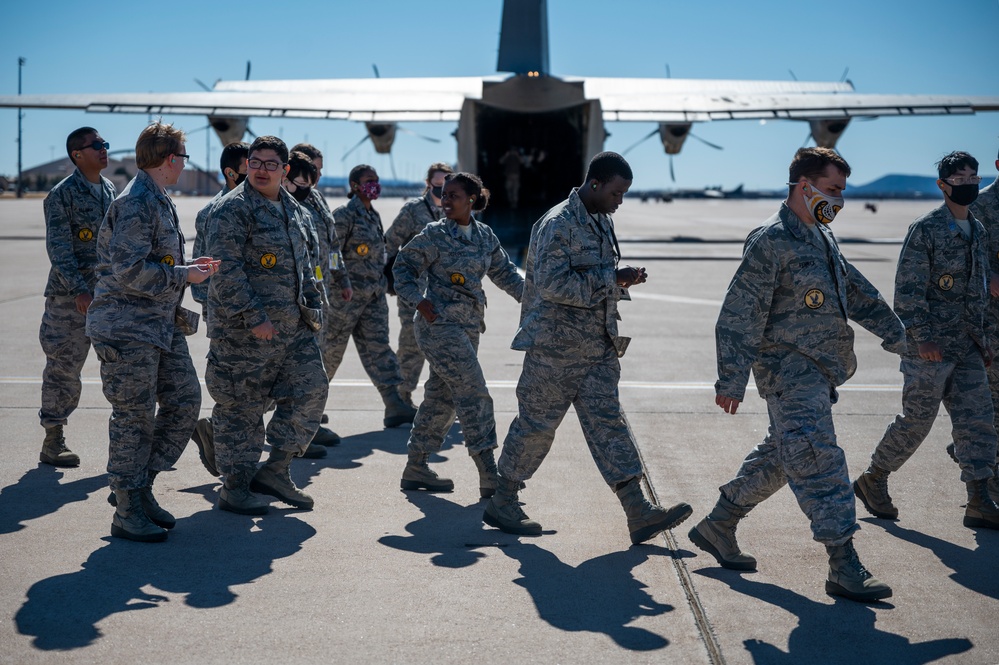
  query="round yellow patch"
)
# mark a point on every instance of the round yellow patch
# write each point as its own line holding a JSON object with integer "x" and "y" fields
{"x": 457, "y": 278}
{"x": 268, "y": 260}
{"x": 168, "y": 259}
{"x": 362, "y": 250}
{"x": 946, "y": 282}
{"x": 814, "y": 299}
{"x": 86, "y": 235}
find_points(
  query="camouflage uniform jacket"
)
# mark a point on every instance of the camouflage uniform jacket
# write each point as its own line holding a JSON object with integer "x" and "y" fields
{"x": 454, "y": 267}
{"x": 986, "y": 210}
{"x": 570, "y": 289}
{"x": 412, "y": 218}
{"x": 786, "y": 310}
{"x": 363, "y": 242}
{"x": 942, "y": 284}
{"x": 330, "y": 252}
{"x": 200, "y": 291}
{"x": 140, "y": 273}
{"x": 266, "y": 271}
{"x": 72, "y": 219}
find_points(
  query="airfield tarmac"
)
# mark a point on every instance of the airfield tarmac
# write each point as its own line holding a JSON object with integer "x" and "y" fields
{"x": 376, "y": 575}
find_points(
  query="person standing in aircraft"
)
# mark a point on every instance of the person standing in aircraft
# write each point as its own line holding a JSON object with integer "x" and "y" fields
{"x": 785, "y": 317}
{"x": 942, "y": 297}
{"x": 73, "y": 213}
{"x": 439, "y": 273}
{"x": 264, "y": 313}
{"x": 512, "y": 163}
{"x": 138, "y": 330}
{"x": 412, "y": 219}
{"x": 568, "y": 327}
{"x": 365, "y": 316}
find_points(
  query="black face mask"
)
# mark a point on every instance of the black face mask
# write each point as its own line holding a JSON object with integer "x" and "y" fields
{"x": 240, "y": 177}
{"x": 963, "y": 195}
{"x": 301, "y": 193}
{"x": 437, "y": 191}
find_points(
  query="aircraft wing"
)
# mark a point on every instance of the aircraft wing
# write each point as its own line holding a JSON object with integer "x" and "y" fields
{"x": 678, "y": 100}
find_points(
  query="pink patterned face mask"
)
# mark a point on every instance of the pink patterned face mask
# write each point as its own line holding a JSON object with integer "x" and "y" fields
{"x": 371, "y": 190}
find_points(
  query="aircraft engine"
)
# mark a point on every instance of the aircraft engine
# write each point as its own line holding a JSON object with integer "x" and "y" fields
{"x": 382, "y": 136}
{"x": 825, "y": 133}
{"x": 673, "y": 135}
{"x": 229, "y": 130}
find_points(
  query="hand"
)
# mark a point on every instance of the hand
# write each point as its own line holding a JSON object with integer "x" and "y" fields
{"x": 347, "y": 294}
{"x": 83, "y": 302}
{"x": 730, "y": 404}
{"x": 264, "y": 331}
{"x": 198, "y": 273}
{"x": 426, "y": 308}
{"x": 994, "y": 285}
{"x": 930, "y": 351}
{"x": 629, "y": 276}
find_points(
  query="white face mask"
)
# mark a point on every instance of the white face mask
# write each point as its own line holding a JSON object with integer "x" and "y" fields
{"x": 822, "y": 207}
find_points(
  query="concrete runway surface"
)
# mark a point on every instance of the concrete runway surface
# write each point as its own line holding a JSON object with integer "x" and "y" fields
{"x": 381, "y": 576}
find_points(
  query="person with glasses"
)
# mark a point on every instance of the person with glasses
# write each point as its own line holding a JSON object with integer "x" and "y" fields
{"x": 138, "y": 330}
{"x": 942, "y": 297}
{"x": 334, "y": 273}
{"x": 365, "y": 316}
{"x": 413, "y": 218}
{"x": 264, "y": 313}
{"x": 73, "y": 213}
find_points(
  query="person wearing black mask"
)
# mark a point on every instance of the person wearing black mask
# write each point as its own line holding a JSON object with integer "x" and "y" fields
{"x": 942, "y": 297}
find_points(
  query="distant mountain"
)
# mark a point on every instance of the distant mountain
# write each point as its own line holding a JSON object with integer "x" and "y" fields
{"x": 896, "y": 185}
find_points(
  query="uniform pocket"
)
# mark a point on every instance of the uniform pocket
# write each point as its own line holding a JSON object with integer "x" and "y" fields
{"x": 107, "y": 353}
{"x": 797, "y": 455}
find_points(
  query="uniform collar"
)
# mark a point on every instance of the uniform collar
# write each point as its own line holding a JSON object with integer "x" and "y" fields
{"x": 455, "y": 232}
{"x": 793, "y": 223}
{"x": 357, "y": 206}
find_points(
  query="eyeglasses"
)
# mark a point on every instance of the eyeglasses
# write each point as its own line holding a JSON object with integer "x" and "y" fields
{"x": 963, "y": 180}
{"x": 267, "y": 166}
{"x": 186, "y": 158}
{"x": 97, "y": 145}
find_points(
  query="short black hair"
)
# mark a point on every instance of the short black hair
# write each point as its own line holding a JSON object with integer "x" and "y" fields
{"x": 74, "y": 141}
{"x": 270, "y": 143}
{"x": 471, "y": 184}
{"x": 604, "y": 166}
{"x": 233, "y": 155}
{"x": 299, "y": 163}
{"x": 311, "y": 151}
{"x": 954, "y": 162}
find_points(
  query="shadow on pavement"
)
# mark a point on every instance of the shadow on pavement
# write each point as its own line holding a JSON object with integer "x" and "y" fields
{"x": 448, "y": 531}
{"x": 39, "y": 493}
{"x": 63, "y": 612}
{"x": 843, "y": 632}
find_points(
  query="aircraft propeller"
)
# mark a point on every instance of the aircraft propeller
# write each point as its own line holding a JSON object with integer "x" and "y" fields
{"x": 656, "y": 131}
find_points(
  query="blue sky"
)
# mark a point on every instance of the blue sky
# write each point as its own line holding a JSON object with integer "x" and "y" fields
{"x": 890, "y": 46}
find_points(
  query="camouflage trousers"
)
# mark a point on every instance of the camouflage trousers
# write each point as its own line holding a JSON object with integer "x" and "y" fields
{"x": 410, "y": 355}
{"x": 245, "y": 375}
{"x": 65, "y": 343}
{"x": 456, "y": 385}
{"x": 800, "y": 450}
{"x": 993, "y": 372}
{"x": 962, "y": 386}
{"x": 137, "y": 377}
{"x": 365, "y": 318}
{"x": 587, "y": 378}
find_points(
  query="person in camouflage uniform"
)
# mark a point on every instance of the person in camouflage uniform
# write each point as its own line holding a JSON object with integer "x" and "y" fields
{"x": 412, "y": 218}
{"x": 568, "y": 327}
{"x": 264, "y": 310}
{"x": 365, "y": 315}
{"x": 942, "y": 297}
{"x": 785, "y": 317}
{"x": 137, "y": 327}
{"x": 73, "y": 213}
{"x": 233, "y": 166}
{"x": 450, "y": 258}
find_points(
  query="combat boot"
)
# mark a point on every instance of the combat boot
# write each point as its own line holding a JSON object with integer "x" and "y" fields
{"x": 981, "y": 510}
{"x": 485, "y": 462}
{"x": 152, "y": 508}
{"x": 235, "y": 495}
{"x": 645, "y": 520}
{"x": 715, "y": 534}
{"x": 54, "y": 450}
{"x": 872, "y": 490}
{"x": 419, "y": 476}
{"x": 314, "y": 451}
{"x": 407, "y": 397}
{"x": 274, "y": 478}
{"x": 993, "y": 482}
{"x": 504, "y": 512}
{"x": 848, "y": 577}
{"x": 130, "y": 520}
{"x": 397, "y": 412}
{"x": 204, "y": 439}
{"x": 325, "y": 437}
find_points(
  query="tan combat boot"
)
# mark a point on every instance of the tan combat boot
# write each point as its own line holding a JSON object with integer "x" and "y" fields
{"x": 504, "y": 512}
{"x": 274, "y": 478}
{"x": 397, "y": 412}
{"x": 848, "y": 577}
{"x": 872, "y": 490}
{"x": 419, "y": 476}
{"x": 235, "y": 495}
{"x": 645, "y": 520}
{"x": 54, "y": 450}
{"x": 485, "y": 462}
{"x": 715, "y": 534}
{"x": 981, "y": 510}
{"x": 130, "y": 520}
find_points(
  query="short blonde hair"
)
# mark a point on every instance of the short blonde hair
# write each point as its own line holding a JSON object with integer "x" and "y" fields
{"x": 157, "y": 142}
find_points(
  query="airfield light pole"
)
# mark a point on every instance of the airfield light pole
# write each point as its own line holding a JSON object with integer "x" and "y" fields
{"x": 20, "y": 116}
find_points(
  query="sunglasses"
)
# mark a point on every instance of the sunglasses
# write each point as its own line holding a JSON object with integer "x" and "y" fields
{"x": 97, "y": 145}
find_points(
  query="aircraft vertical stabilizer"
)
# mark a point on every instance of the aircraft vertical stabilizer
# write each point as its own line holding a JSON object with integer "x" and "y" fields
{"x": 524, "y": 37}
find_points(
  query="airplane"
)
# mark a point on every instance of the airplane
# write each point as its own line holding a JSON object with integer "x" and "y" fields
{"x": 556, "y": 123}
